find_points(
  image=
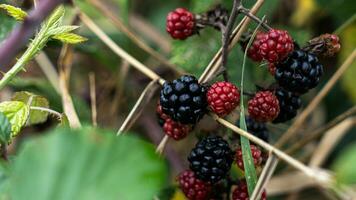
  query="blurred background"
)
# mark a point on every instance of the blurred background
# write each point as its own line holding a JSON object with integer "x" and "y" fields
{"x": 118, "y": 85}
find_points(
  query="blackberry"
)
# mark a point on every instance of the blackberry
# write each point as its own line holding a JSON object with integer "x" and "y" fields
{"x": 184, "y": 100}
{"x": 263, "y": 107}
{"x": 258, "y": 129}
{"x": 176, "y": 130}
{"x": 211, "y": 159}
{"x": 289, "y": 103}
{"x": 193, "y": 188}
{"x": 256, "y": 155}
{"x": 180, "y": 23}
{"x": 223, "y": 97}
{"x": 299, "y": 72}
{"x": 241, "y": 192}
{"x": 161, "y": 117}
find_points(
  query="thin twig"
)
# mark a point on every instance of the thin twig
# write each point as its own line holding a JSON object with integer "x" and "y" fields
{"x": 19, "y": 37}
{"x": 265, "y": 176}
{"x": 316, "y": 101}
{"x": 93, "y": 98}
{"x": 162, "y": 145}
{"x": 319, "y": 131}
{"x": 215, "y": 64}
{"x": 329, "y": 141}
{"x": 145, "y": 97}
{"x": 118, "y": 50}
{"x": 322, "y": 177}
{"x": 226, "y": 32}
{"x": 247, "y": 12}
{"x": 130, "y": 34}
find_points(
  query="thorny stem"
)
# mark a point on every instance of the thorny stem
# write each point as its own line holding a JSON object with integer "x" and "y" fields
{"x": 226, "y": 37}
{"x": 246, "y": 12}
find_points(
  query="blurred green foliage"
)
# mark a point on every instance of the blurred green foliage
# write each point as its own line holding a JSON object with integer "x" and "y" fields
{"x": 85, "y": 164}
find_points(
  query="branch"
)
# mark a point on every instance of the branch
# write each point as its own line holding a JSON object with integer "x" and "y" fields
{"x": 23, "y": 32}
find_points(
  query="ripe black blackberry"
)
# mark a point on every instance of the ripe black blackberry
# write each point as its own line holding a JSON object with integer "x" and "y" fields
{"x": 184, "y": 100}
{"x": 211, "y": 159}
{"x": 258, "y": 129}
{"x": 289, "y": 103}
{"x": 299, "y": 72}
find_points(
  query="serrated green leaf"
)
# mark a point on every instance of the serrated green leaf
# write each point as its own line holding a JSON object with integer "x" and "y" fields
{"x": 36, "y": 116}
{"x": 86, "y": 164}
{"x": 56, "y": 17}
{"x": 15, "y": 12}
{"x": 17, "y": 112}
{"x": 5, "y": 129}
{"x": 62, "y": 29}
{"x": 70, "y": 38}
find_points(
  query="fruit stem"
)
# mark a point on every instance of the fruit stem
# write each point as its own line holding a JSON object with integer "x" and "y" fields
{"x": 247, "y": 13}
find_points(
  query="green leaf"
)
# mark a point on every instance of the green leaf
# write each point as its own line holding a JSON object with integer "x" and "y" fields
{"x": 70, "y": 38}
{"x": 5, "y": 129}
{"x": 86, "y": 164}
{"x": 17, "y": 112}
{"x": 56, "y": 17}
{"x": 6, "y": 25}
{"x": 62, "y": 29}
{"x": 15, "y": 12}
{"x": 36, "y": 116}
{"x": 344, "y": 166}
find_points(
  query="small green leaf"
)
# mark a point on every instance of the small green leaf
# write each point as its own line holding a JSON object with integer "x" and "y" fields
{"x": 70, "y": 38}
{"x": 17, "y": 112}
{"x": 15, "y": 12}
{"x": 62, "y": 29}
{"x": 56, "y": 17}
{"x": 36, "y": 116}
{"x": 5, "y": 129}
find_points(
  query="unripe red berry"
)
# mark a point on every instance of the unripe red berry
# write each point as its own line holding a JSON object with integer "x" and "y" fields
{"x": 176, "y": 130}
{"x": 180, "y": 23}
{"x": 256, "y": 155}
{"x": 223, "y": 98}
{"x": 193, "y": 188}
{"x": 264, "y": 106}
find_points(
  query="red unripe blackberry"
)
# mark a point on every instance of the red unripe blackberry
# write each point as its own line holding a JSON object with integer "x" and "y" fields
{"x": 263, "y": 107}
{"x": 253, "y": 51}
{"x": 272, "y": 68}
{"x": 256, "y": 155}
{"x": 223, "y": 97}
{"x": 160, "y": 115}
{"x": 180, "y": 23}
{"x": 275, "y": 45}
{"x": 176, "y": 130}
{"x": 272, "y": 46}
{"x": 193, "y": 188}
{"x": 241, "y": 192}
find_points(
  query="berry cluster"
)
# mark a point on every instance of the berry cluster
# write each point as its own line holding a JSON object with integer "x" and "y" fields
{"x": 184, "y": 101}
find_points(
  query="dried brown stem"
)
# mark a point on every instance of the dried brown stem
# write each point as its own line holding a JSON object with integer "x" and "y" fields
{"x": 93, "y": 98}
{"x": 247, "y": 12}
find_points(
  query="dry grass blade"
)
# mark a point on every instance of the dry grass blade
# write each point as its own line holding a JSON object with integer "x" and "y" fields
{"x": 136, "y": 111}
{"x": 265, "y": 176}
{"x": 93, "y": 98}
{"x": 316, "y": 101}
{"x": 318, "y": 132}
{"x": 330, "y": 140}
{"x": 118, "y": 50}
{"x": 296, "y": 182}
{"x": 162, "y": 145}
{"x": 130, "y": 34}
{"x": 319, "y": 176}
{"x": 48, "y": 69}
